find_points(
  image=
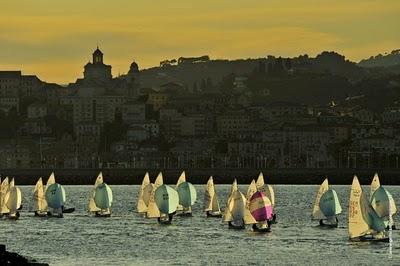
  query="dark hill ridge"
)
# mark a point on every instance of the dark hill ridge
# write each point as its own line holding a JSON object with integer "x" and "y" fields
{"x": 386, "y": 60}
{"x": 189, "y": 72}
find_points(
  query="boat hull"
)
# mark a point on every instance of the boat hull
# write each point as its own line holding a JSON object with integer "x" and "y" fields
{"x": 99, "y": 214}
{"x": 214, "y": 215}
{"x": 236, "y": 227}
{"x": 261, "y": 230}
{"x": 370, "y": 239}
{"x": 69, "y": 210}
{"x": 184, "y": 214}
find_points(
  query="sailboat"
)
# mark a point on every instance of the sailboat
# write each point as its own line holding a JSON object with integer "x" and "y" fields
{"x": 187, "y": 197}
{"x": 12, "y": 201}
{"x": 236, "y": 213}
{"x": 152, "y": 209}
{"x": 52, "y": 180}
{"x": 269, "y": 193}
{"x": 55, "y": 197}
{"x": 211, "y": 204}
{"x": 261, "y": 209}
{"x": 39, "y": 201}
{"x": 326, "y": 206}
{"x": 181, "y": 179}
{"x": 101, "y": 198}
{"x": 234, "y": 187}
{"x": 364, "y": 223}
{"x": 250, "y": 191}
{"x": 3, "y": 191}
{"x": 144, "y": 195}
{"x": 382, "y": 201}
{"x": 167, "y": 200}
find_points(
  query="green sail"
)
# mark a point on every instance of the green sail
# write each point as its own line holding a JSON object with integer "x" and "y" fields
{"x": 382, "y": 201}
{"x": 329, "y": 203}
{"x": 187, "y": 194}
{"x": 166, "y": 198}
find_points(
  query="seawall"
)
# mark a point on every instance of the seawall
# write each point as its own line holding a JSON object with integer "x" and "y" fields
{"x": 200, "y": 176}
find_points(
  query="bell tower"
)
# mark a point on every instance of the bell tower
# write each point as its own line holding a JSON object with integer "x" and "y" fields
{"x": 97, "y": 56}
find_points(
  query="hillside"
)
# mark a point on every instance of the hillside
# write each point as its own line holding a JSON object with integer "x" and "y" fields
{"x": 386, "y": 60}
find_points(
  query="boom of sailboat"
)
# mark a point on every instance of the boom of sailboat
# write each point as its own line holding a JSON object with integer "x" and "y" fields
{"x": 369, "y": 218}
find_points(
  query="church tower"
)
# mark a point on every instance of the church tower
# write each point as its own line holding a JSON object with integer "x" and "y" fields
{"x": 97, "y": 56}
{"x": 97, "y": 73}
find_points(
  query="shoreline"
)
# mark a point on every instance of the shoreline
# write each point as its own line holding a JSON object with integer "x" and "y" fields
{"x": 128, "y": 176}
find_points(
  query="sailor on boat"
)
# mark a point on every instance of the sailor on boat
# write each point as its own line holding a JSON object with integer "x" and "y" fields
{"x": 326, "y": 206}
{"x": 364, "y": 222}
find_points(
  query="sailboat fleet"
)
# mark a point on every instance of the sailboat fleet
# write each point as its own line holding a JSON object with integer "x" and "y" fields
{"x": 369, "y": 218}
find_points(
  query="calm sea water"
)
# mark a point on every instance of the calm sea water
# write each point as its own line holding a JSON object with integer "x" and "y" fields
{"x": 127, "y": 239}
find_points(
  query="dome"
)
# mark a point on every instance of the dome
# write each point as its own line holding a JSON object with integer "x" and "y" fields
{"x": 134, "y": 67}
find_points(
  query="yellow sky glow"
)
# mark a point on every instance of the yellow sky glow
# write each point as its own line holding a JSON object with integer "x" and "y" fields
{"x": 54, "y": 39}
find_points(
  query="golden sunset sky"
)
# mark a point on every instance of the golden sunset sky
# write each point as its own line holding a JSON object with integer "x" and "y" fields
{"x": 54, "y": 39}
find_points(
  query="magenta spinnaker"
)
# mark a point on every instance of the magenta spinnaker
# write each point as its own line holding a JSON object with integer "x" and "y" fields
{"x": 260, "y": 207}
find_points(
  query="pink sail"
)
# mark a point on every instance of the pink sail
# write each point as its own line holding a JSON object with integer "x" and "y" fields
{"x": 260, "y": 207}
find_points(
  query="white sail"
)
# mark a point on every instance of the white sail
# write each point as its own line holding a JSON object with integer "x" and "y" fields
{"x": 235, "y": 208}
{"x": 181, "y": 179}
{"x": 234, "y": 187}
{"x": 357, "y": 225}
{"x": 13, "y": 199}
{"x": 92, "y": 205}
{"x": 39, "y": 201}
{"x": 3, "y": 192}
{"x": 159, "y": 181}
{"x": 141, "y": 204}
{"x": 271, "y": 195}
{"x": 267, "y": 189}
{"x": 50, "y": 181}
{"x": 260, "y": 182}
{"x": 209, "y": 194}
{"x": 250, "y": 191}
{"x": 152, "y": 209}
{"x": 12, "y": 183}
{"x": 215, "y": 204}
{"x": 375, "y": 184}
{"x": 316, "y": 213}
{"x": 247, "y": 218}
